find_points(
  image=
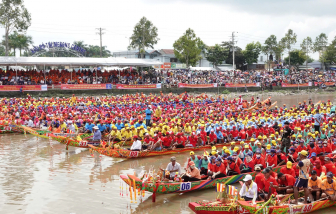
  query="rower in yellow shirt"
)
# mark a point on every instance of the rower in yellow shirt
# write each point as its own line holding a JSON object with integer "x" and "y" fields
{"x": 187, "y": 129}
{"x": 158, "y": 112}
{"x": 328, "y": 187}
{"x": 126, "y": 135}
{"x": 115, "y": 134}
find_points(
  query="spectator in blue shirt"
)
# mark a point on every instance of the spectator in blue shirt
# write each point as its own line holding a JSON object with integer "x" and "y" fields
{"x": 149, "y": 113}
{"x": 219, "y": 135}
{"x": 317, "y": 121}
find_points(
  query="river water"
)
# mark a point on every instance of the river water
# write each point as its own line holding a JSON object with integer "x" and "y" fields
{"x": 39, "y": 177}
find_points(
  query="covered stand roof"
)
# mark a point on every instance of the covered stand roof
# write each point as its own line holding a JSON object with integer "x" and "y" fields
{"x": 53, "y": 61}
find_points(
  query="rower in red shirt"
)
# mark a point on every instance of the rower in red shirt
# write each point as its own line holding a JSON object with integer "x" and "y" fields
{"x": 292, "y": 155}
{"x": 281, "y": 158}
{"x": 288, "y": 170}
{"x": 272, "y": 159}
{"x": 269, "y": 181}
{"x": 286, "y": 183}
{"x": 301, "y": 147}
{"x": 234, "y": 133}
{"x": 320, "y": 170}
{"x": 233, "y": 167}
{"x": 259, "y": 159}
{"x": 326, "y": 147}
{"x": 330, "y": 166}
{"x": 259, "y": 179}
{"x": 212, "y": 138}
{"x": 319, "y": 148}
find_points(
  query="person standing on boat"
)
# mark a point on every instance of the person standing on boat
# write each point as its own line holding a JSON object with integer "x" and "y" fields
{"x": 149, "y": 113}
{"x": 193, "y": 174}
{"x": 302, "y": 180}
{"x": 287, "y": 132}
{"x": 317, "y": 121}
{"x": 96, "y": 134}
{"x": 249, "y": 190}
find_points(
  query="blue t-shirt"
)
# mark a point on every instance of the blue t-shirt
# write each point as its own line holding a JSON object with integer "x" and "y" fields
{"x": 148, "y": 114}
{"x": 318, "y": 119}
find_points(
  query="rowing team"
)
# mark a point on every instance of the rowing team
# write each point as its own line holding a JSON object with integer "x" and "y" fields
{"x": 315, "y": 175}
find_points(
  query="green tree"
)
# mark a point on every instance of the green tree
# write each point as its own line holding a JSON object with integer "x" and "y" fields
{"x": 188, "y": 48}
{"x": 12, "y": 41}
{"x": 2, "y": 50}
{"x": 279, "y": 49}
{"x": 145, "y": 35}
{"x": 216, "y": 54}
{"x": 239, "y": 56}
{"x": 13, "y": 16}
{"x": 307, "y": 47}
{"x": 251, "y": 52}
{"x": 320, "y": 44}
{"x": 298, "y": 57}
{"x": 269, "y": 47}
{"x": 329, "y": 55}
{"x": 288, "y": 41}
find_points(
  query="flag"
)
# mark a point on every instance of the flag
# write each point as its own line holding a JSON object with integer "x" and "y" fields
{"x": 220, "y": 187}
{"x": 231, "y": 190}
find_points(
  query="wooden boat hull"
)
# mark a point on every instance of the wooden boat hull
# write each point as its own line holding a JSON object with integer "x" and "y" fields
{"x": 123, "y": 153}
{"x": 183, "y": 187}
{"x": 295, "y": 209}
{"x": 201, "y": 209}
{"x": 9, "y": 129}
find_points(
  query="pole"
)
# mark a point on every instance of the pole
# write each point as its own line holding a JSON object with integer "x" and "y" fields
{"x": 307, "y": 56}
{"x": 233, "y": 51}
{"x": 16, "y": 74}
{"x": 100, "y": 32}
{"x": 44, "y": 75}
{"x": 96, "y": 74}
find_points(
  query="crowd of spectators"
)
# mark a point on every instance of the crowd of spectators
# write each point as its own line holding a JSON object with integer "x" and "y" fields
{"x": 170, "y": 78}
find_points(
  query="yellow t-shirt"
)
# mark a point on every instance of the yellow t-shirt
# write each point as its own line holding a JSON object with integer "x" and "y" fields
{"x": 315, "y": 184}
{"x": 329, "y": 188}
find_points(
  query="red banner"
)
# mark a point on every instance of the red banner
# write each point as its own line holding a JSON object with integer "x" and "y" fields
{"x": 326, "y": 83}
{"x": 85, "y": 86}
{"x": 285, "y": 85}
{"x": 233, "y": 85}
{"x": 24, "y": 87}
{"x": 184, "y": 85}
{"x": 151, "y": 86}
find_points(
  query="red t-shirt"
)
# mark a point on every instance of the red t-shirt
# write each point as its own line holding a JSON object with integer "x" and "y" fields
{"x": 234, "y": 133}
{"x": 250, "y": 164}
{"x": 193, "y": 140}
{"x": 167, "y": 141}
{"x": 242, "y": 134}
{"x": 220, "y": 168}
{"x": 272, "y": 160}
{"x": 267, "y": 184}
{"x": 259, "y": 179}
{"x": 287, "y": 171}
{"x": 300, "y": 148}
{"x": 330, "y": 167}
{"x": 235, "y": 167}
{"x": 212, "y": 137}
{"x": 290, "y": 180}
{"x": 261, "y": 160}
{"x": 320, "y": 170}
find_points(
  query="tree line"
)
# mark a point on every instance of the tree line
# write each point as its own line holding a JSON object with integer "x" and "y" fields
{"x": 189, "y": 48}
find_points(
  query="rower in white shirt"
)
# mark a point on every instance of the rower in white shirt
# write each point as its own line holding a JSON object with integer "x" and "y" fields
{"x": 249, "y": 190}
{"x": 173, "y": 167}
{"x": 136, "y": 146}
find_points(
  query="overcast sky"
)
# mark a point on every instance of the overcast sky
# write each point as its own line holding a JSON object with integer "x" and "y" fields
{"x": 213, "y": 20}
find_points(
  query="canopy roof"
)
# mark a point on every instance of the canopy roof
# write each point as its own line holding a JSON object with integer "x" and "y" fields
{"x": 53, "y": 61}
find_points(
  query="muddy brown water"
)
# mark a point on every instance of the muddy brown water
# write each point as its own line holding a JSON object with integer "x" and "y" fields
{"x": 39, "y": 177}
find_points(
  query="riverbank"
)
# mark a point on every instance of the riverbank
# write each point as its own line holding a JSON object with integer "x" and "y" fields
{"x": 252, "y": 91}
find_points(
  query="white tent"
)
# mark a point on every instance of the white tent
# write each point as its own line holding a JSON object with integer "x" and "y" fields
{"x": 73, "y": 61}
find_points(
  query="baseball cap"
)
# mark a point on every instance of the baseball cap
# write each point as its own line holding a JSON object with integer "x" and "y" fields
{"x": 330, "y": 175}
{"x": 247, "y": 178}
{"x": 289, "y": 164}
{"x": 314, "y": 172}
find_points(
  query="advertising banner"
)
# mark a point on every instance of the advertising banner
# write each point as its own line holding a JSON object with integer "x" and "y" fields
{"x": 233, "y": 85}
{"x": 85, "y": 86}
{"x": 326, "y": 83}
{"x": 122, "y": 86}
{"x": 184, "y": 85}
{"x": 24, "y": 87}
{"x": 285, "y": 85}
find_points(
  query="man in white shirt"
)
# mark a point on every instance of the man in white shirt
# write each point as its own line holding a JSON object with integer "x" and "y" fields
{"x": 249, "y": 190}
{"x": 72, "y": 127}
{"x": 173, "y": 167}
{"x": 30, "y": 123}
{"x": 136, "y": 146}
